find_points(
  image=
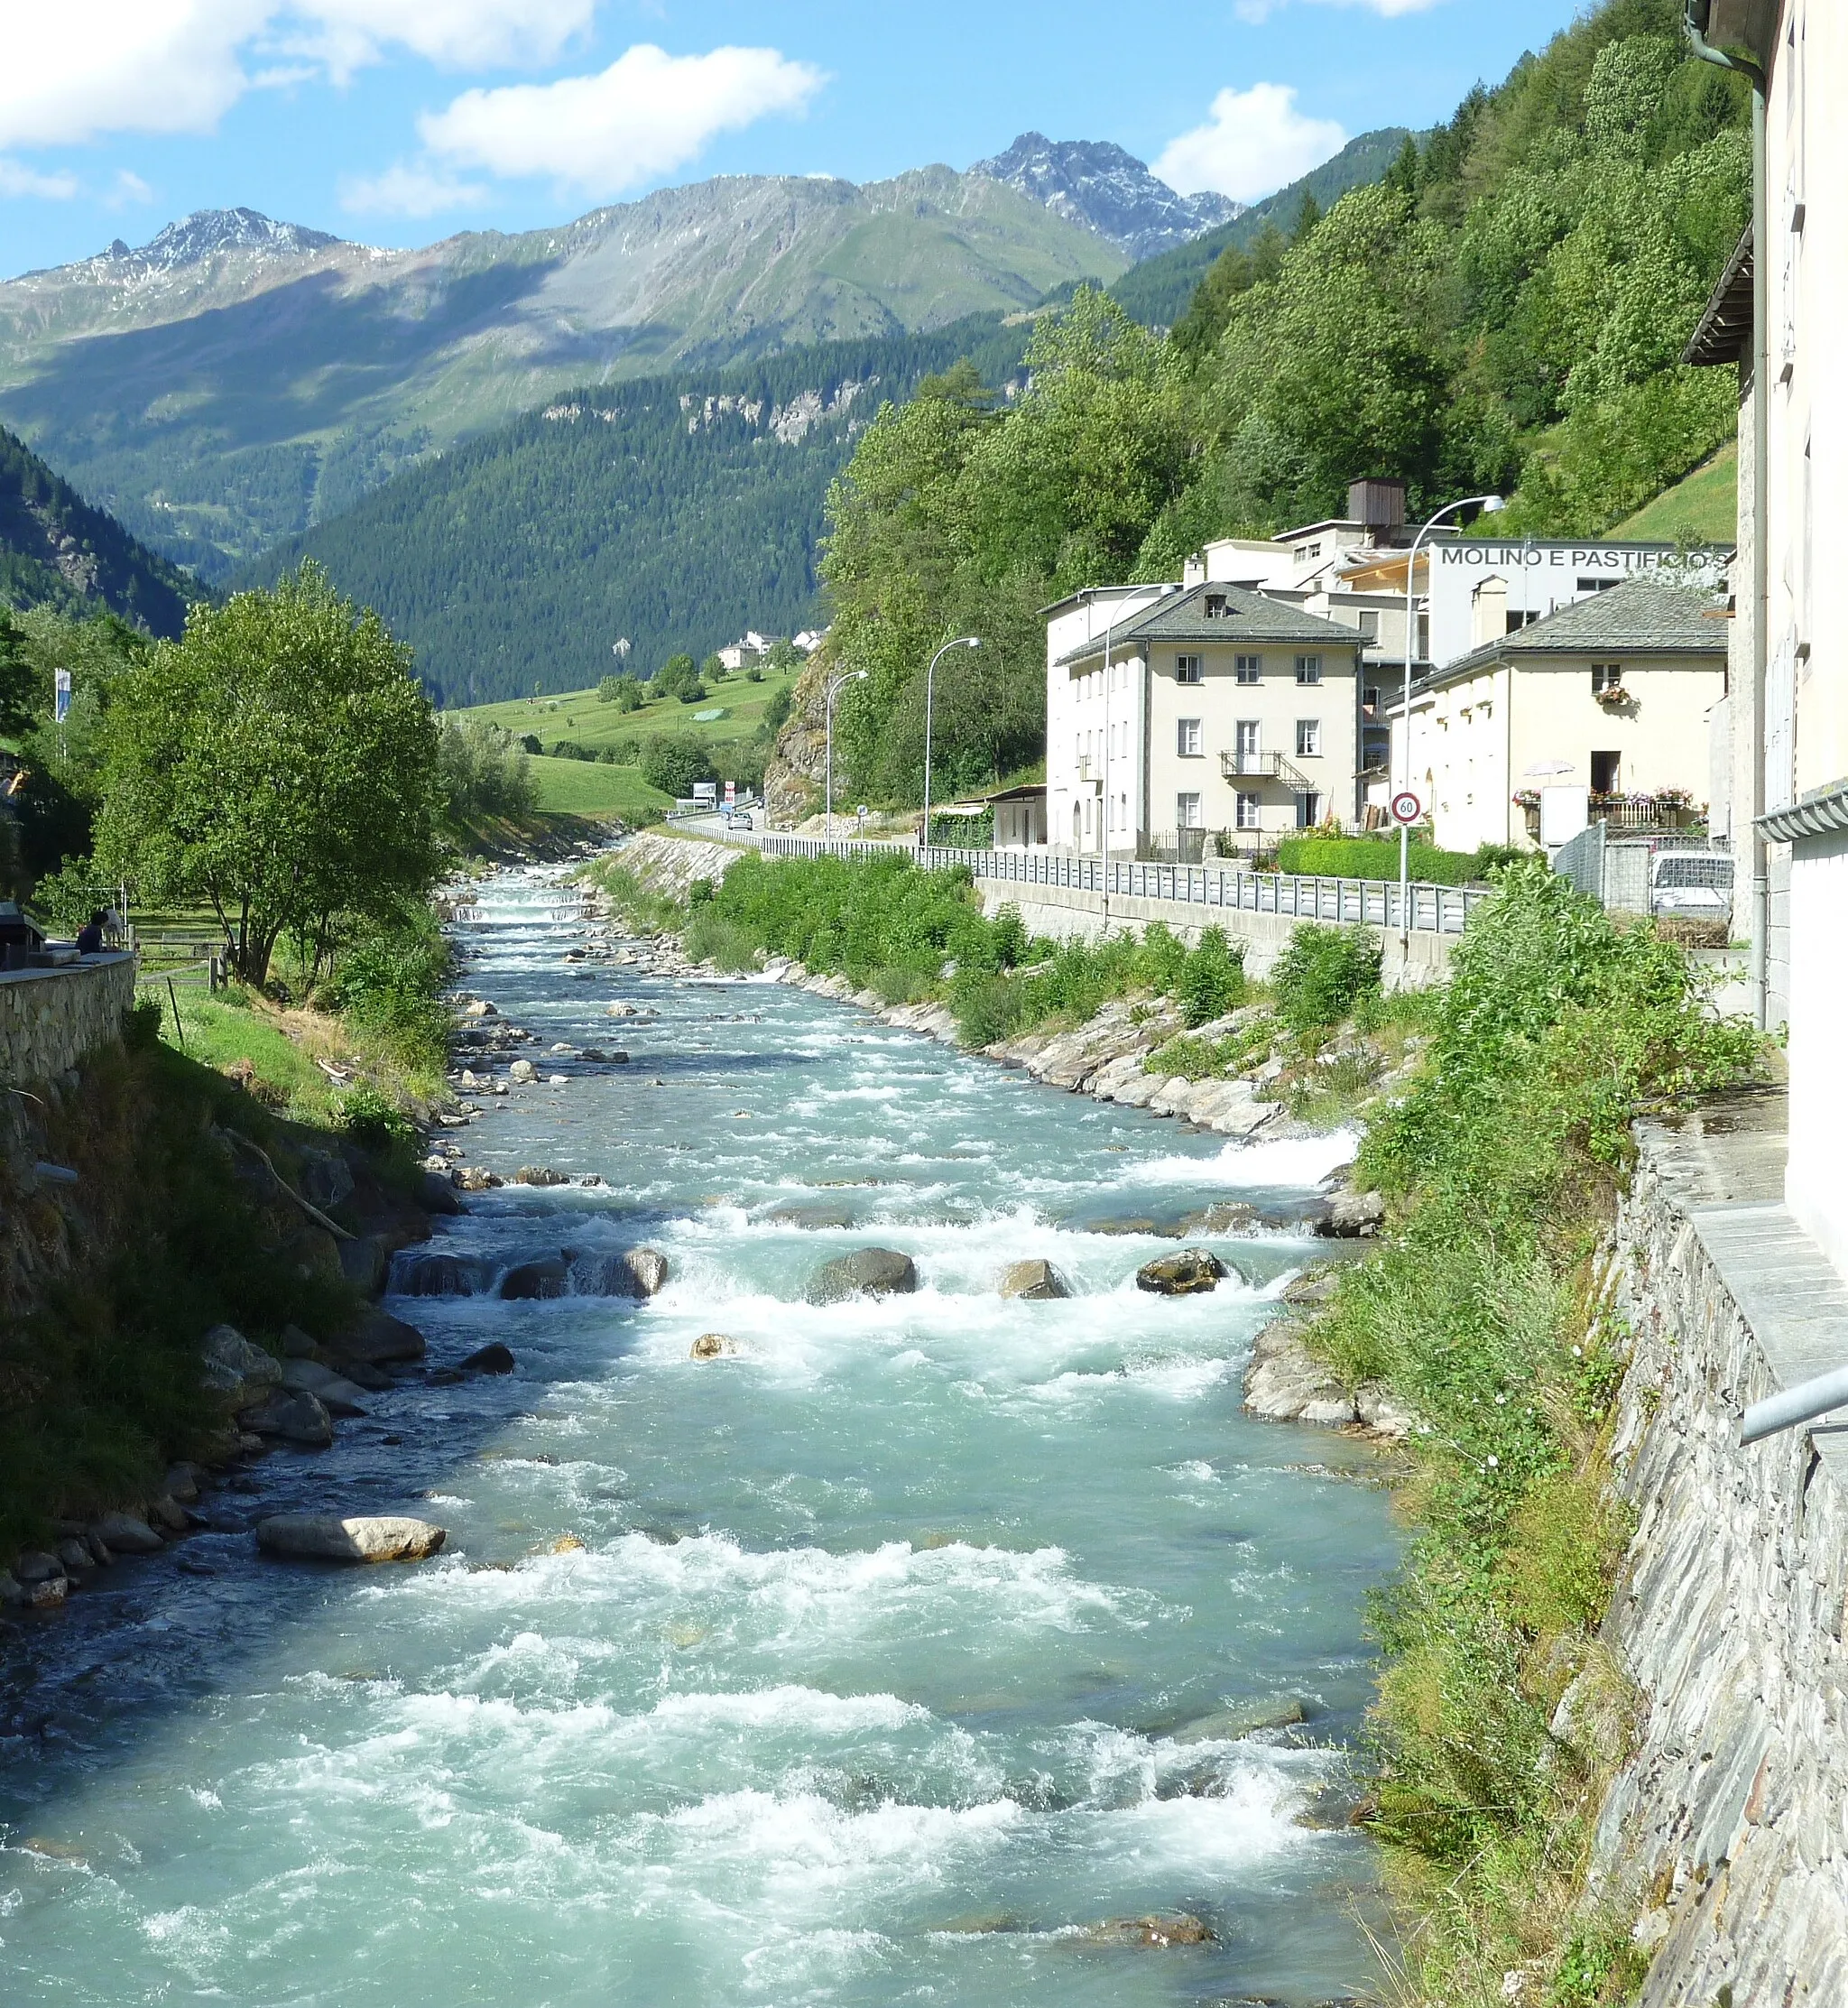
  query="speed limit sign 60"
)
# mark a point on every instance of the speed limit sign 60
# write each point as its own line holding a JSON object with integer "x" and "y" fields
{"x": 1407, "y": 809}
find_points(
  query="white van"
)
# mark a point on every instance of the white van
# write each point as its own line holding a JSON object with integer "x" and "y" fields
{"x": 1691, "y": 885}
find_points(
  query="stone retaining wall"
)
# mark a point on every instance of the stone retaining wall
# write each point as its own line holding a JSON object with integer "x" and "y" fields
{"x": 1729, "y": 1826}
{"x": 50, "y": 1018}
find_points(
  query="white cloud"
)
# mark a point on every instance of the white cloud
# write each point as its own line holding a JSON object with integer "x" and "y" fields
{"x": 91, "y": 66}
{"x": 646, "y": 114}
{"x": 1254, "y": 141}
{"x": 16, "y": 180}
{"x": 417, "y": 190}
{"x": 128, "y": 186}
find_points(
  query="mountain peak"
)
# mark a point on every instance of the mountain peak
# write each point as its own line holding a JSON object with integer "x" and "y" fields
{"x": 1106, "y": 188}
{"x": 206, "y": 233}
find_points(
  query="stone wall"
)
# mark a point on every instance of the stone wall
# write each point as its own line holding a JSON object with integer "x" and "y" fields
{"x": 1728, "y": 1828}
{"x": 50, "y": 1018}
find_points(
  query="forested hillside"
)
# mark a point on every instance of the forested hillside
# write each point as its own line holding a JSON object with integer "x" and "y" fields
{"x": 57, "y": 552}
{"x": 674, "y": 512}
{"x": 1505, "y": 311}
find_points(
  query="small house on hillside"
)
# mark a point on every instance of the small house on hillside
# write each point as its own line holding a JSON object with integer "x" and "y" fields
{"x": 1608, "y": 701}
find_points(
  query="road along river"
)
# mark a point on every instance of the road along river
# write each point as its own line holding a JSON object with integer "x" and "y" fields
{"x": 873, "y": 1664}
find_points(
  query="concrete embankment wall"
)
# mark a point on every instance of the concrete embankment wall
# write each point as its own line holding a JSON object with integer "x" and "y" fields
{"x": 1728, "y": 1828}
{"x": 50, "y": 1018}
{"x": 1061, "y": 912}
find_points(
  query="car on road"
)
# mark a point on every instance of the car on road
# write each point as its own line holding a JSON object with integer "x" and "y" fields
{"x": 1691, "y": 884}
{"x": 740, "y": 818}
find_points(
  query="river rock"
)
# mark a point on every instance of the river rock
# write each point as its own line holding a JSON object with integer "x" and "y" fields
{"x": 379, "y": 1339}
{"x": 431, "y": 1272}
{"x": 1153, "y": 1932}
{"x": 479, "y": 1008}
{"x": 35, "y": 1566}
{"x": 1034, "y": 1281}
{"x": 334, "y": 1392}
{"x": 297, "y": 1418}
{"x": 126, "y": 1534}
{"x": 295, "y": 1345}
{"x": 639, "y": 1272}
{"x": 363, "y": 1262}
{"x": 866, "y": 1273}
{"x": 46, "y": 1595}
{"x": 523, "y": 1071}
{"x": 234, "y": 1367}
{"x": 1229, "y": 1725}
{"x": 540, "y": 1174}
{"x": 1352, "y": 1214}
{"x": 435, "y": 1191}
{"x": 712, "y": 1346}
{"x": 76, "y": 1557}
{"x": 492, "y": 1358}
{"x": 476, "y": 1177}
{"x": 547, "y": 1276}
{"x": 1286, "y": 1383}
{"x": 168, "y": 1512}
{"x": 816, "y": 1218}
{"x": 363, "y": 1538}
{"x": 1183, "y": 1274}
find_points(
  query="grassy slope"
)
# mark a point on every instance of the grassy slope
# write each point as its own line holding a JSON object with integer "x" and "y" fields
{"x": 589, "y": 789}
{"x": 1701, "y": 509}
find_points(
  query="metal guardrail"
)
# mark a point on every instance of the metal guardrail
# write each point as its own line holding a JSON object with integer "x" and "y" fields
{"x": 1370, "y": 902}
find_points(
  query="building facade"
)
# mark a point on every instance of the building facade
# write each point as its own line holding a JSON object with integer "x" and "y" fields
{"x": 1173, "y": 712}
{"x": 1611, "y": 696}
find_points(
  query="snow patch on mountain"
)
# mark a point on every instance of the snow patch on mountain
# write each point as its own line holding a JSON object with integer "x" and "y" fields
{"x": 1105, "y": 189}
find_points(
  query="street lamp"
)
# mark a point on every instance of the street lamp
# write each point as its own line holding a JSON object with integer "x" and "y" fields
{"x": 1490, "y": 505}
{"x": 962, "y": 641}
{"x": 849, "y": 676}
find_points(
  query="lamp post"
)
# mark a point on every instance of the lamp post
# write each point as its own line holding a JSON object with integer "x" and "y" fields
{"x": 848, "y": 676}
{"x": 962, "y": 641}
{"x": 1490, "y": 505}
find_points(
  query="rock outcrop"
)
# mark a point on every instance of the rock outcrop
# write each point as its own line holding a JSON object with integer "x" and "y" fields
{"x": 866, "y": 1273}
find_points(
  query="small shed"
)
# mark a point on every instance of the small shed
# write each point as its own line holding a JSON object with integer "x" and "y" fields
{"x": 1020, "y": 816}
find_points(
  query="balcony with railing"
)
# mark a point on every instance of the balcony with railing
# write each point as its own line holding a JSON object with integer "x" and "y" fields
{"x": 1236, "y": 765}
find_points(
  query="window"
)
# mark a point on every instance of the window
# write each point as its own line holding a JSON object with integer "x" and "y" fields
{"x": 1188, "y": 738}
{"x": 1308, "y": 668}
{"x": 1606, "y": 676}
{"x": 1424, "y": 648}
{"x": 1187, "y": 669}
{"x": 1308, "y": 810}
{"x": 1247, "y": 814}
{"x": 1307, "y": 552}
{"x": 1606, "y": 768}
{"x": 1247, "y": 669}
{"x": 1370, "y": 624}
{"x": 1187, "y": 812}
{"x": 1598, "y": 585}
{"x": 1308, "y": 739}
{"x": 1520, "y": 618}
{"x": 1369, "y": 698}
{"x": 1246, "y": 740}
{"x": 1215, "y": 606}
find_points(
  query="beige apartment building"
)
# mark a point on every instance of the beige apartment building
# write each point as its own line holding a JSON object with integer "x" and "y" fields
{"x": 1611, "y": 696}
{"x": 1778, "y": 315}
{"x": 1218, "y": 710}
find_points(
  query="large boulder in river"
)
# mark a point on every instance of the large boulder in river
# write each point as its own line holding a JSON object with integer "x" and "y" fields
{"x": 325, "y": 1537}
{"x": 336, "y": 1393}
{"x": 550, "y": 1276}
{"x": 297, "y": 1419}
{"x": 1352, "y": 1214}
{"x": 634, "y": 1273}
{"x": 866, "y": 1273}
{"x": 431, "y": 1273}
{"x": 127, "y": 1533}
{"x": 1035, "y": 1281}
{"x": 1182, "y": 1275}
{"x": 379, "y": 1339}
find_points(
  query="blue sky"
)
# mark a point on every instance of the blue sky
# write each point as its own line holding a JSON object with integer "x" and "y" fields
{"x": 401, "y": 121}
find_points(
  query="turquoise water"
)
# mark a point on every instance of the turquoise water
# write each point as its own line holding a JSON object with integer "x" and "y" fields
{"x": 856, "y": 1689}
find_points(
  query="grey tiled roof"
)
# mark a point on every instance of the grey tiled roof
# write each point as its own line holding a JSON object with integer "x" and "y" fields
{"x": 1644, "y": 616}
{"x": 1250, "y": 618}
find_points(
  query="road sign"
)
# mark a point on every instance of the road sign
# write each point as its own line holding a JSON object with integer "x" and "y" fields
{"x": 1407, "y": 809}
{"x": 731, "y": 794}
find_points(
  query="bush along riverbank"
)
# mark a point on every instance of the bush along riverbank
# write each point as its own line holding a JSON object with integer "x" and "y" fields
{"x": 1484, "y": 1313}
{"x": 1146, "y": 1020}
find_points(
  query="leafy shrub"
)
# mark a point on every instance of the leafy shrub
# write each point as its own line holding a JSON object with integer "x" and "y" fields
{"x": 140, "y": 1025}
{"x": 699, "y": 893}
{"x": 373, "y": 1121}
{"x": 1374, "y": 857}
{"x": 483, "y": 771}
{"x": 673, "y": 760}
{"x": 1010, "y": 937}
{"x": 1211, "y": 979}
{"x": 1323, "y": 974}
{"x": 709, "y": 937}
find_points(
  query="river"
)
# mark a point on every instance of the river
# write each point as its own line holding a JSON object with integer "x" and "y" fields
{"x": 844, "y": 1670}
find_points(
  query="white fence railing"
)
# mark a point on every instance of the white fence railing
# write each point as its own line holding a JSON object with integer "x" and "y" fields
{"x": 1435, "y": 909}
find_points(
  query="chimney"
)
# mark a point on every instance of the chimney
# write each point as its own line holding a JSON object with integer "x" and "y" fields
{"x": 1378, "y": 505}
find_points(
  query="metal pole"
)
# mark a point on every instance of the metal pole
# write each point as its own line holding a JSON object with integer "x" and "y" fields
{"x": 962, "y": 641}
{"x": 1793, "y": 1405}
{"x": 1490, "y": 505}
{"x": 849, "y": 676}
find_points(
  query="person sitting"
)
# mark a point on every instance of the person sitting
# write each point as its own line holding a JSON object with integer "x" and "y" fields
{"x": 89, "y": 939}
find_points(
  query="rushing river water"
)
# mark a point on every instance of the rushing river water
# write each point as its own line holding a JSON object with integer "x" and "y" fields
{"x": 859, "y": 1687}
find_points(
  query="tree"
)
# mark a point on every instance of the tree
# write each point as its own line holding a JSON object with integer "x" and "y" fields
{"x": 18, "y": 685}
{"x": 678, "y": 674}
{"x": 625, "y": 691}
{"x": 673, "y": 760}
{"x": 279, "y": 764}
